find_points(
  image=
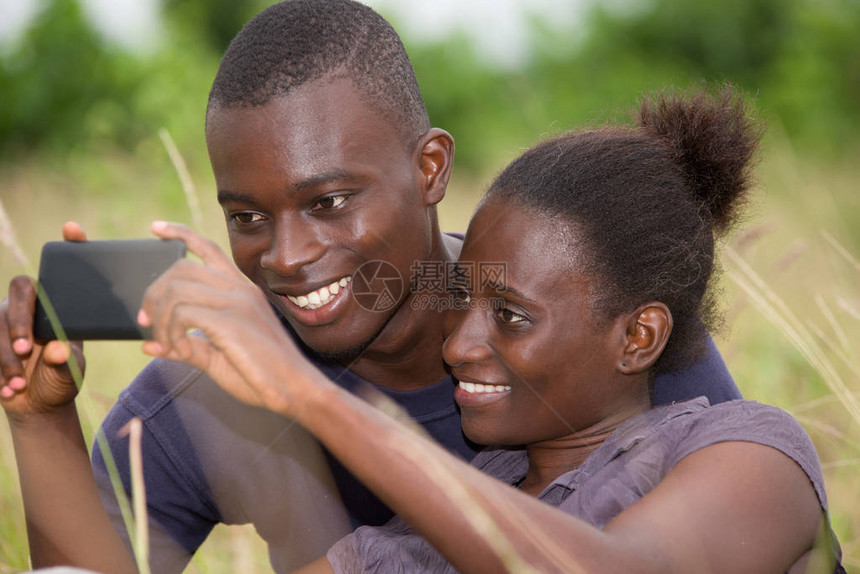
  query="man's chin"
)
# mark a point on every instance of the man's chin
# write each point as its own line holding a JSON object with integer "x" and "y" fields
{"x": 343, "y": 356}
{"x": 335, "y": 348}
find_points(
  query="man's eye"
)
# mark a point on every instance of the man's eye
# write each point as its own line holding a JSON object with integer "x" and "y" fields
{"x": 246, "y": 217}
{"x": 508, "y": 316}
{"x": 330, "y": 202}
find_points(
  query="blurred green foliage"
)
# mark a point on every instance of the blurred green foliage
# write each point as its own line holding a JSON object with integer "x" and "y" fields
{"x": 62, "y": 85}
{"x": 79, "y": 121}
{"x": 800, "y": 59}
{"x": 213, "y": 21}
{"x": 64, "y": 89}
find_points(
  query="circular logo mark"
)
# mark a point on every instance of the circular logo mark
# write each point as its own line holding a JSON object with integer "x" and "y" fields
{"x": 377, "y": 286}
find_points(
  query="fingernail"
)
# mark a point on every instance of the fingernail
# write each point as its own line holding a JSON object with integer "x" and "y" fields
{"x": 153, "y": 348}
{"x": 143, "y": 318}
{"x": 17, "y": 383}
{"x": 158, "y": 225}
{"x": 7, "y": 393}
{"x": 21, "y": 346}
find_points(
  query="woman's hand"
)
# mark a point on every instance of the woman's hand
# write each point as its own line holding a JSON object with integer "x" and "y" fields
{"x": 35, "y": 378}
{"x": 244, "y": 347}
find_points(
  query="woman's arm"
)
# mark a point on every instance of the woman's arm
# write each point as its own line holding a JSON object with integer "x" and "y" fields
{"x": 320, "y": 566}
{"x": 731, "y": 507}
{"x": 725, "y": 508}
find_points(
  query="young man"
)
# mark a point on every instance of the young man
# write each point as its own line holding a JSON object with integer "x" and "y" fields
{"x": 328, "y": 171}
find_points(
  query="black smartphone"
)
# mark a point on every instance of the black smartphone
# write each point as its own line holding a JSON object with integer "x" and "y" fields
{"x": 96, "y": 287}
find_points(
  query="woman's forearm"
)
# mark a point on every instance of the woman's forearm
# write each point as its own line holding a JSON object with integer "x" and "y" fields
{"x": 478, "y": 523}
{"x": 66, "y": 522}
{"x": 730, "y": 507}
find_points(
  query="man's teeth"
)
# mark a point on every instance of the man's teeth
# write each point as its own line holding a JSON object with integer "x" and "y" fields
{"x": 321, "y": 296}
{"x": 481, "y": 388}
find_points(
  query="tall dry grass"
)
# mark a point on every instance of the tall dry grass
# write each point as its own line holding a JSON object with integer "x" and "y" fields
{"x": 791, "y": 290}
{"x": 792, "y": 336}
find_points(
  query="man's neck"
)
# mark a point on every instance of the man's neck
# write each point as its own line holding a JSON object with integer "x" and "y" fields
{"x": 407, "y": 354}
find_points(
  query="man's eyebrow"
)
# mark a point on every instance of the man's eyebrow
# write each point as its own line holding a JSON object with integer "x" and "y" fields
{"x": 326, "y": 177}
{"x": 226, "y": 196}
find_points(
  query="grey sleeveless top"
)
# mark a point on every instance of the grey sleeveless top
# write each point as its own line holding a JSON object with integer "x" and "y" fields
{"x": 628, "y": 465}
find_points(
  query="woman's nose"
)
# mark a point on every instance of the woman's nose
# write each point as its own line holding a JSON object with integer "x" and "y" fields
{"x": 468, "y": 338}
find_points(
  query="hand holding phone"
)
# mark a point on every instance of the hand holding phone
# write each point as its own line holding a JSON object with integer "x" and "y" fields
{"x": 96, "y": 287}
{"x": 27, "y": 366}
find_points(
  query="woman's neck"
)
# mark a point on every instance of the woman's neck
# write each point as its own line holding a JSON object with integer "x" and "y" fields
{"x": 550, "y": 459}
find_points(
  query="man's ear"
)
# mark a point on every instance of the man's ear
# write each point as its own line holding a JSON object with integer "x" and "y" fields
{"x": 435, "y": 160}
{"x": 647, "y": 331}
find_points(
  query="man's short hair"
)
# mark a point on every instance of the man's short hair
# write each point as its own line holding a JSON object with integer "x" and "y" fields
{"x": 297, "y": 41}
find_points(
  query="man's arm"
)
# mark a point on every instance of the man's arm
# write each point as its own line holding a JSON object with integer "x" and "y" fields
{"x": 66, "y": 523}
{"x": 708, "y": 377}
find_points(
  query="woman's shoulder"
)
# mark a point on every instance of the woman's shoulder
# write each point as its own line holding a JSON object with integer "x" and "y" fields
{"x": 642, "y": 451}
{"x": 745, "y": 421}
{"x": 699, "y": 419}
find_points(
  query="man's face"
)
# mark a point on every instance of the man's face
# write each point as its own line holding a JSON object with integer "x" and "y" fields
{"x": 313, "y": 185}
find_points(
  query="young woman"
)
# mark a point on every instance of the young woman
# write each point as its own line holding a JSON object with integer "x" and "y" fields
{"x": 607, "y": 239}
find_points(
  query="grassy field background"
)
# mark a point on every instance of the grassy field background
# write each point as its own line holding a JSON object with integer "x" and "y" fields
{"x": 790, "y": 340}
{"x": 80, "y": 118}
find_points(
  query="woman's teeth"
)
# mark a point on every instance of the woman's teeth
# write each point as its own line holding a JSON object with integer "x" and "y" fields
{"x": 481, "y": 388}
{"x": 321, "y": 296}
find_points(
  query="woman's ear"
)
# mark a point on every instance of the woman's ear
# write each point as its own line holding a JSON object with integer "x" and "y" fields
{"x": 435, "y": 161}
{"x": 647, "y": 332}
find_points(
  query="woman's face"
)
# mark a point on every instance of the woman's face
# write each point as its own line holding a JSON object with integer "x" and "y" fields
{"x": 534, "y": 363}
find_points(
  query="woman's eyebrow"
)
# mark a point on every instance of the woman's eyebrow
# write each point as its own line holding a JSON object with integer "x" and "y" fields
{"x": 502, "y": 288}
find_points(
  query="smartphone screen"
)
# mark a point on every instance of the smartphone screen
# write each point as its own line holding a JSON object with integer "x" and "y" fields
{"x": 96, "y": 287}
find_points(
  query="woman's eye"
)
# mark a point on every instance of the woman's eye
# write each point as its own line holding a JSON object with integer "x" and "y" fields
{"x": 246, "y": 217}
{"x": 330, "y": 202}
{"x": 508, "y": 316}
{"x": 460, "y": 295}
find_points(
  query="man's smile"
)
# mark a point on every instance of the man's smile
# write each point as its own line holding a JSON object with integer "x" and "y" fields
{"x": 320, "y": 297}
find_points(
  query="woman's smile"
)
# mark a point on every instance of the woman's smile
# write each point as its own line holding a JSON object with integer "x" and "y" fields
{"x": 471, "y": 394}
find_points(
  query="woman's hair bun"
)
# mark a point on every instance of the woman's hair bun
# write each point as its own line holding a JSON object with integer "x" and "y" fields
{"x": 713, "y": 140}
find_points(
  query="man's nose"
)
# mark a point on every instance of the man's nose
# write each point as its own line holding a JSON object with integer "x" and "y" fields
{"x": 294, "y": 244}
